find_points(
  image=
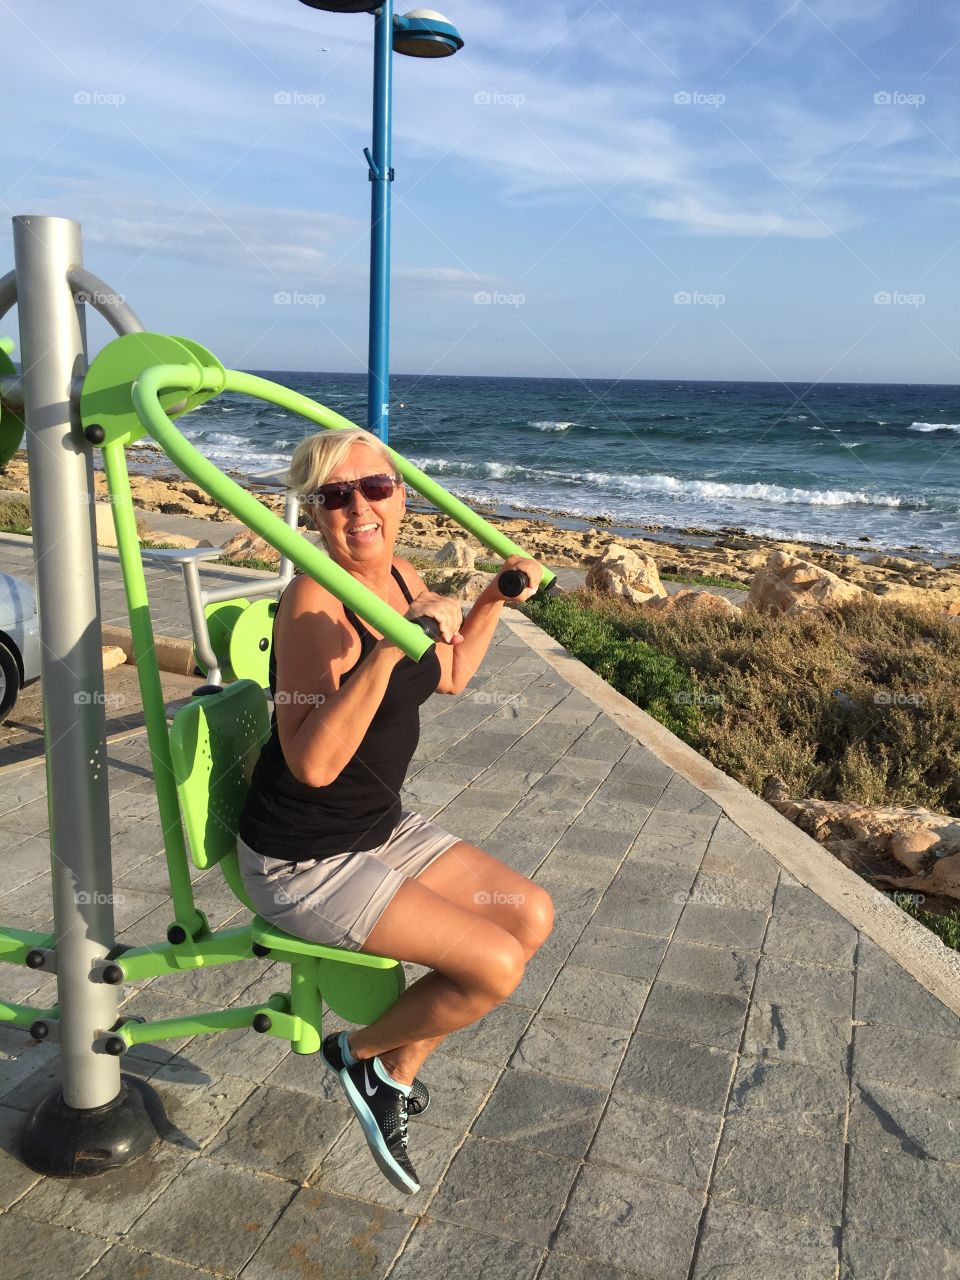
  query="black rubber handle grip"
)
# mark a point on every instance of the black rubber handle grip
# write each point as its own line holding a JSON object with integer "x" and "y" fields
{"x": 512, "y": 582}
{"x": 430, "y": 626}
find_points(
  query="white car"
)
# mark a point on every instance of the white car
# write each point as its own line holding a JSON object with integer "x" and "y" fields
{"x": 19, "y": 640}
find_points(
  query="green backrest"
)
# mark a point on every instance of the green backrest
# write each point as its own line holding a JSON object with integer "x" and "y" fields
{"x": 215, "y": 742}
{"x": 251, "y": 640}
{"x": 221, "y": 617}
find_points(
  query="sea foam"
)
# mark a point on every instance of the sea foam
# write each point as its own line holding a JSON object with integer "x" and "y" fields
{"x": 707, "y": 489}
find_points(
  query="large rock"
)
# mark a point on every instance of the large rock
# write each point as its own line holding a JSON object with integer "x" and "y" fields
{"x": 472, "y": 584}
{"x": 903, "y": 593}
{"x": 113, "y": 656}
{"x": 248, "y": 546}
{"x": 699, "y": 603}
{"x": 465, "y": 584}
{"x": 900, "y": 564}
{"x": 621, "y": 572}
{"x": 457, "y": 554}
{"x": 786, "y": 584}
{"x": 879, "y": 841}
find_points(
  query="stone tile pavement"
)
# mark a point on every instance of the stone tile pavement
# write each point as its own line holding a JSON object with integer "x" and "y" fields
{"x": 706, "y": 1071}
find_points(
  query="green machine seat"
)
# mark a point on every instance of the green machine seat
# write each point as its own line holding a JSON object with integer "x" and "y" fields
{"x": 215, "y": 742}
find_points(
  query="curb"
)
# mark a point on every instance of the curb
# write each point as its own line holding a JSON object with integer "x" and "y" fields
{"x": 917, "y": 950}
{"x": 174, "y": 653}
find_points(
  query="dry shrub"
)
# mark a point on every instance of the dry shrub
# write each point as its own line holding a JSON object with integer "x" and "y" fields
{"x": 15, "y": 514}
{"x": 858, "y": 703}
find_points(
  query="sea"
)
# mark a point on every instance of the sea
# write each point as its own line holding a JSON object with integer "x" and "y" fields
{"x": 865, "y": 466}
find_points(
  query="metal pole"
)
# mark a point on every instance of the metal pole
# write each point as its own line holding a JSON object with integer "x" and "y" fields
{"x": 381, "y": 175}
{"x": 59, "y": 1137}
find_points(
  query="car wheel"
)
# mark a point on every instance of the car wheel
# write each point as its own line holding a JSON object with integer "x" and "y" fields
{"x": 9, "y": 682}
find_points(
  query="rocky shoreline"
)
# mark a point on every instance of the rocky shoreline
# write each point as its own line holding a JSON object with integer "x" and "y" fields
{"x": 734, "y": 556}
{"x": 905, "y": 850}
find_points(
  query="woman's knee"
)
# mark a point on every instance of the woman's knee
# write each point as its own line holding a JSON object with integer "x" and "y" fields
{"x": 537, "y": 914}
{"x": 502, "y": 967}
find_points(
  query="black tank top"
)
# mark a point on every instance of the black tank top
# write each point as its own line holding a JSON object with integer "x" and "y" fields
{"x": 285, "y": 818}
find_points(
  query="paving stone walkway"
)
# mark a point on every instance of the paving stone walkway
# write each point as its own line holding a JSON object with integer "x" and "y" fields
{"x": 706, "y": 1072}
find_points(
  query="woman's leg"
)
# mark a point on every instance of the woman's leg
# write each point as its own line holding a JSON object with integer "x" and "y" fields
{"x": 476, "y": 964}
{"x": 481, "y": 884}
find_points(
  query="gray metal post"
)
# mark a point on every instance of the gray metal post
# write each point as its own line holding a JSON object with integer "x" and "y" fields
{"x": 52, "y": 339}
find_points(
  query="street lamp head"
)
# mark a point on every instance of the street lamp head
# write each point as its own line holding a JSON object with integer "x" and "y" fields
{"x": 424, "y": 33}
{"x": 342, "y": 6}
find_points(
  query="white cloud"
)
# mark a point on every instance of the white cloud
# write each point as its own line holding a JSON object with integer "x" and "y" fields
{"x": 281, "y": 243}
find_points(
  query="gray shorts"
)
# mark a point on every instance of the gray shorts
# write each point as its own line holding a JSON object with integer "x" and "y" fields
{"x": 337, "y": 900}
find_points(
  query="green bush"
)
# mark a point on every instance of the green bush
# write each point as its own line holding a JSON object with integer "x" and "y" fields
{"x": 654, "y": 680}
{"x": 248, "y": 562}
{"x": 702, "y": 580}
{"x": 946, "y": 925}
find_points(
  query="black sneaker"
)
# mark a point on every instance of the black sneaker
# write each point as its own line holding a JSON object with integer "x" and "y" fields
{"x": 381, "y": 1109}
{"x": 419, "y": 1098}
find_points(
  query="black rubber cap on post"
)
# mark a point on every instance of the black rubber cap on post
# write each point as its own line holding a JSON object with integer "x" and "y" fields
{"x": 39, "y": 1030}
{"x": 260, "y": 950}
{"x": 262, "y": 1023}
{"x": 35, "y": 958}
{"x": 176, "y": 934}
{"x": 95, "y": 434}
{"x": 66, "y": 1142}
{"x": 205, "y": 689}
{"x": 112, "y": 975}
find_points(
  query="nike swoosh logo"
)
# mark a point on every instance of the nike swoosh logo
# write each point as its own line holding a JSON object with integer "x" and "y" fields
{"x": 366, "y": 1084}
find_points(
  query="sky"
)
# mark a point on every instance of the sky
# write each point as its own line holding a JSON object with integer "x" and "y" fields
{"x": 737, "y": 190}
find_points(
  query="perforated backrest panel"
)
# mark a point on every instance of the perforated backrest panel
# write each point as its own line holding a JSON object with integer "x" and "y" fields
{"x": 215, "y": 742}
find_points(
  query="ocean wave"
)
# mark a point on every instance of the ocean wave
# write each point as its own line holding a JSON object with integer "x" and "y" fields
{"x": 549, "y": 425}
{"x": 474, "y": 470}
{"x": 935, "y": 426}
{"x": 659, "y": 484}
{"x": 708, "y": 489}
{"x": 223, "y": 440}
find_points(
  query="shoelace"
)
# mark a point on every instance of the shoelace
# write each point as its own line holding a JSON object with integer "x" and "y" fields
{"x": 403, "y": 1121}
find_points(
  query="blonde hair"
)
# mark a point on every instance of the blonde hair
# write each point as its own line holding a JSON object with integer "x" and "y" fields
{"x": 316, "y": 457}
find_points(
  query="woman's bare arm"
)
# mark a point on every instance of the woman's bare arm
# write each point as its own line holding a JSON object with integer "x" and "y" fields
{"x": 320, "y": 724}
{"x": 459, "y": 662}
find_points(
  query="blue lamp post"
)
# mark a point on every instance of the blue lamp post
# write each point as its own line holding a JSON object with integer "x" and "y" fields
{"x": 421, "y": 33}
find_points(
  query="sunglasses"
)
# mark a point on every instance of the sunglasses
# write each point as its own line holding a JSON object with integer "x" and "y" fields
{"x": 374, "y": 488}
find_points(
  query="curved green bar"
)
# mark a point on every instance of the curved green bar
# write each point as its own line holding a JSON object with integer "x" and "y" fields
{"x": 249, "y": 384}
{"x": 151, "y": 690}
{"x": 144, "y": 393}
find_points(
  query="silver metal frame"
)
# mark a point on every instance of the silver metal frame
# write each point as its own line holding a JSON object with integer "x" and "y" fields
{"x": 50, "y": 287}
{"x": 53, "y": 353}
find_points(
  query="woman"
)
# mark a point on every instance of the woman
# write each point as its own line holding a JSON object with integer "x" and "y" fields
{"x": 326, "y": 851}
